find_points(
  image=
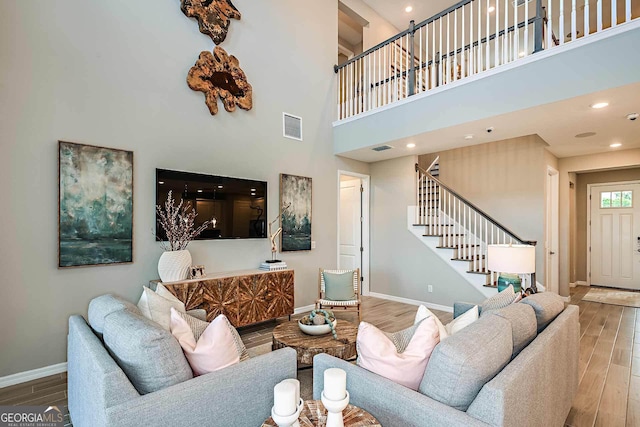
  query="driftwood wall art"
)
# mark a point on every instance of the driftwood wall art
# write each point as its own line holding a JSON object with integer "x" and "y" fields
{"x": 214, "y": 16}
{"x": 219, "y": 74}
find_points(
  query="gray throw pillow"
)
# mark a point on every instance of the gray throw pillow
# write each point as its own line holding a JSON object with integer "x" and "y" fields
{"x": 547, "y": 306}
{"x": 498, "y": 301}
{"x": 151, "y": 357}
{"x": 463, "y": 363}
{"x": 338, "y": 286}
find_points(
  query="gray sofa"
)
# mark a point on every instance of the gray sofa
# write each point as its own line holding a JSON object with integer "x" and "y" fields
{"x": 101, "y": 394}
{"x": 516, "y": 366}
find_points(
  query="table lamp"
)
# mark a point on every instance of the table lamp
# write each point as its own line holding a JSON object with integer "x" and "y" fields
{"x": 510, "y": 261}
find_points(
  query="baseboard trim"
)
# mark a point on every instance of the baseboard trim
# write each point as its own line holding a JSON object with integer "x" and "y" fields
{"x": 304, "y": 309}
{"x": 581, "y": 283}
{"x": 412, "y": 302}
{"x": 34, "y": 374}
{"x": 565, "y": 299}
{"x": 572, "y": 285}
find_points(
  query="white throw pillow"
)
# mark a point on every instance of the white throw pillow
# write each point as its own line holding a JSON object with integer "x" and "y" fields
{"x": 423, "y": 312}
{"x": 462, "y": 321}
{"x": 157, "y": 308}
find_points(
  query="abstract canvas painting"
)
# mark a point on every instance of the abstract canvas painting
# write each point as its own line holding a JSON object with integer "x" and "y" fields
{"x": 95, "y": 205}
{"x": 295, "y": 212}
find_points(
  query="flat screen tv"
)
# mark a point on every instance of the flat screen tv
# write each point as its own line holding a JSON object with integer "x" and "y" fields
{"x": 237, "y": 207}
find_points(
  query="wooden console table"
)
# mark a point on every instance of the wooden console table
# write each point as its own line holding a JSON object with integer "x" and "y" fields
{"x": 245, "y": 297}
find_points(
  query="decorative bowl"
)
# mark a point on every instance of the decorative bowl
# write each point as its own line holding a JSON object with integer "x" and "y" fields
{"x": 316, "y": 329}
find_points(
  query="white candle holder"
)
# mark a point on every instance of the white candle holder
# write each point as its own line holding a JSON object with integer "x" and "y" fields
{"x": 334, "y": 410}
{"x": 288, "y": 420}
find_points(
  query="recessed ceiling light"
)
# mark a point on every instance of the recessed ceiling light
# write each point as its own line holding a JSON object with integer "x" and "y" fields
{"x": 408, "y": 9}
{"x": 253, "y": 189}
{"x": 491, "y": 9}
{"x": 585, "y": 135}
{"x": 470, "y": 136}
{"x": 219, "y": 186}
{"x": 253, "y": 194}
{"x": 160, "y": 182}
{"x": 599, "y": 105}
{"x": 412, "y": 145}
{"x": 199, "y": 191}
{"x": 615, "y": 145}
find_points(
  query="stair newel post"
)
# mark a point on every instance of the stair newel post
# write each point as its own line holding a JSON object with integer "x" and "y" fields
{"x": 412, "y": 68}
{"x": 417, "y": 215}
{"x": 538, "y": 27}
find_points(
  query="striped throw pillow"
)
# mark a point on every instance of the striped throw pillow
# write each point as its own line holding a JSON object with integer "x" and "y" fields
{"x": 498, "y": 301}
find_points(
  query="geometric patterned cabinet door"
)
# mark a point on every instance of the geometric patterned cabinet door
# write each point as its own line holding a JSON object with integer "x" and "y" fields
{"x": 245, "y": 297}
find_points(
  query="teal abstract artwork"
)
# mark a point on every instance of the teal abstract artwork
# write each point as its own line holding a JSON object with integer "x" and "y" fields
{"x": 295, "y": 213}
{"x": 96, "y": 205}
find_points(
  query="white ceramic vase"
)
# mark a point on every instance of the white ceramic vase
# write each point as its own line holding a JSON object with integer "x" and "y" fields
{"x": 174, "y": 265}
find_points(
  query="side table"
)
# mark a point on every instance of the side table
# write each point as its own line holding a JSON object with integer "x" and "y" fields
{"x": 315, "y": 415}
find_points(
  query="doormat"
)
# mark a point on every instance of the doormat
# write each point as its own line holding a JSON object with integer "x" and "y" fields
{"x": 613, "y": 296}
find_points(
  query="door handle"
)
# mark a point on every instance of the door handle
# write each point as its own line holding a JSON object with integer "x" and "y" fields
{"x": 551, "y": 253}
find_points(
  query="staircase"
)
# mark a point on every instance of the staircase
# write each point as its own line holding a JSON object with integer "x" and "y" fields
{"x": 457, "y": 230}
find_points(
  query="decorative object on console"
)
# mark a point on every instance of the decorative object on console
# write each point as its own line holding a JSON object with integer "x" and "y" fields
{"x": 295, "y": 213}
{"x": 95, "y": 205}
{"x": 214, "y": 16}
{"x": 511, "y": 261}
{"x": 197, "y": 272}
{"x": 273, "y": 266}
{"x": 273, "y": 237}
{"x": 219, "y": 74}
{"x": 178, "y": 225}
{"x": 319, "y": 322}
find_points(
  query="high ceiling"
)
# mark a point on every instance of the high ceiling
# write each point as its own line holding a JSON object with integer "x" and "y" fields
{"x": 394, "y": 10}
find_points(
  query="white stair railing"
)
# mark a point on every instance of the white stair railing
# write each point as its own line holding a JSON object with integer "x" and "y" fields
{"x": 468, "y": 38}
{"x": 460, "y": 225}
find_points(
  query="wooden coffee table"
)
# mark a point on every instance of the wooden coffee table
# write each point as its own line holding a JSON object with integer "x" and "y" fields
{"x": 315, "y": 415}
{"x": 288, "y": 334}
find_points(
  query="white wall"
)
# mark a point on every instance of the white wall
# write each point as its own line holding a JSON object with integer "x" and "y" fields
{"x": 401, "y": 265}
{"x": 378, "y": 30}
{"x": 112, "y": 73}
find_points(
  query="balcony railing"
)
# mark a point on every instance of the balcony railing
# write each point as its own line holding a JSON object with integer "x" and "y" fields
{"x": 469, "y": 38}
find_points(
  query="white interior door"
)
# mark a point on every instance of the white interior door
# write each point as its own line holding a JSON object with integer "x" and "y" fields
{"x": 350, "y": 225}
{"x": 551, "y": 246}
{"x": 615, "y": 235}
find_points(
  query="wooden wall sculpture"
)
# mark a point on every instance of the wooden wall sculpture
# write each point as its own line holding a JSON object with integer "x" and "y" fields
{"x": 219, "y": 74}
{"x": 214, "y": 16}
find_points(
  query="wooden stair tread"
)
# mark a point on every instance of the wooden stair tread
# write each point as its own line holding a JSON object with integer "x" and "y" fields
{"x": 469, "y": 259}
{"x": 457, "y": 246}
{"x": 442, "y": 235}
{"x": 483, "y": 272}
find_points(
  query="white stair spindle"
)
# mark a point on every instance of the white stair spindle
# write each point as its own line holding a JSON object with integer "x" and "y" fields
{"x": 420, "y": 70}
{"x": 406, "y": 79}
{"x": 505, "y": 36}
{"x": 526, "y": 29}
{"x": 627, "y": 8}
{"x": 586, "y": 18}
{"x": 574, "y": 29}
{"x": 463, "y": 58}
{"x": 479, "y": 50}
{"x": 447, "y": 68}
{"x": 599, "y": 15}
{"x": 561, "y": 22}
{"x": 549, "y": 34}
{"x": 455, "y": 45}
{"x": 614, "y": 13}
{"x": 496, "y": 44}
{"x": 516, "y": 32}
{"x": 488, "y": 32}
{"x": 472, "y": 57}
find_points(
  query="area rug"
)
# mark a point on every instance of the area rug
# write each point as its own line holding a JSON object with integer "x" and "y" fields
{"x": 613, "y": 296}
{"x": 305, "y": 376}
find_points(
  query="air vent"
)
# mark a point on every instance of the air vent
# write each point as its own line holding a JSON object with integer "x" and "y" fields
{"x": 292, "y": 126}
{"x": 382, "y": 148}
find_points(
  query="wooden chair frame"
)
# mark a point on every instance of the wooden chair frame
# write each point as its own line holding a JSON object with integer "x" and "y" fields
{"x": 351, "y": 305}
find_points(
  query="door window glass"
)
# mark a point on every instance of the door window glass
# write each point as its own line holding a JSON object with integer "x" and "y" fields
{"x": 616, "y": 199}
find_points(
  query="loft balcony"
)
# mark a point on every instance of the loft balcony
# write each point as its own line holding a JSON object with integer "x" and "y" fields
{"x": 478, "y": 60}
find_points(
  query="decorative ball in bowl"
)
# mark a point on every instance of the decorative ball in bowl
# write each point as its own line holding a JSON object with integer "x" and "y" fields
{"x": 316, "y": 324}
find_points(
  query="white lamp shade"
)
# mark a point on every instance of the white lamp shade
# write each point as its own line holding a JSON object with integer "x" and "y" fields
{"x": 516, "y": 259}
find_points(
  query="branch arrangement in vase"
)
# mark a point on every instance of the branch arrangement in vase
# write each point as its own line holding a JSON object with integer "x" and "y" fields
{"x": 178, "y": 223}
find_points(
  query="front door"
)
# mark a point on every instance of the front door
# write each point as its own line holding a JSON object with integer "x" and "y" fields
{"x": 615, "y": 235}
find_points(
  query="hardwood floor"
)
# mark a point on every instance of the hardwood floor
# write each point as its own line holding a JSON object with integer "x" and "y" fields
{"x": 608, "y": 394}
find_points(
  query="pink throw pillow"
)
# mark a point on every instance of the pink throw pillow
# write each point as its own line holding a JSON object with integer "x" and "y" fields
{"x": 214, "y": 350}
{"x": 383, "y": 354}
